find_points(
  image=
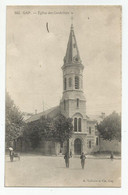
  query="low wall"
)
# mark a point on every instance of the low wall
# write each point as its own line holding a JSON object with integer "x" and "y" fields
{"x": 113, "y": 145}
{"x": 45, "y": 147}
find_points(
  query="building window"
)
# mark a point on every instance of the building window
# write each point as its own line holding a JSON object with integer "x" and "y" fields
{"x": 70, "y": 82}
{"x": 64, "y": 105}
{"x": 90, "y": 144}
{"x": 75, "y": 124}
{"x": 81, "y": 83}
{"x": 97, "y": 141}
{"x": 65, "y": 83}
{"x": 79, "y": 124}
{"x": 76, "y": 82}
{"x": 90, "y": 130}
{"x": 77, "y": 103}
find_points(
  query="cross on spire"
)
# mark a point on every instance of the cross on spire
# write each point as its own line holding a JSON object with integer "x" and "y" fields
{"x": 72, "y": 53}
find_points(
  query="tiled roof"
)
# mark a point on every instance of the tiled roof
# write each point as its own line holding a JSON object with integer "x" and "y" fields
{"x": 52, "y": 112}
{"x": 72, "y": 54}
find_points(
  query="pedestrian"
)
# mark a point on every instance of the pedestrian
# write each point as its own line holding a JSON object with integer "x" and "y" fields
{"x": 11, "y": 154}
{"x": 111, "y": 156}
{"x": 66, "y": 157}
{"x": 82, "y": 157}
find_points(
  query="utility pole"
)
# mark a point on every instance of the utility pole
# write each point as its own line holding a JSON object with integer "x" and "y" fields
{"x": 68, "y": 146}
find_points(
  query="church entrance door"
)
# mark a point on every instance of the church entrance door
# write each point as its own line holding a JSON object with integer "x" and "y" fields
{"x": 77, "y": 146}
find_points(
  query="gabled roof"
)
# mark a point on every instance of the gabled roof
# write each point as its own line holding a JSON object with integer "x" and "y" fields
{"x": 52, "y": 112}
{"x": 72, "y": 54}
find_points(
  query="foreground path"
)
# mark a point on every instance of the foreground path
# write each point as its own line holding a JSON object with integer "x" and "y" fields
{"x": 44, "y": 171}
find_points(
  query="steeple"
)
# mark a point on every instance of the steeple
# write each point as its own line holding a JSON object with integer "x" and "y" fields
{"x": 72, "y": 54}
{"x": 73, "y": 100}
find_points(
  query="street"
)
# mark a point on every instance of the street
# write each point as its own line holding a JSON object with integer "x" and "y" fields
{"x": 48, "y": 171}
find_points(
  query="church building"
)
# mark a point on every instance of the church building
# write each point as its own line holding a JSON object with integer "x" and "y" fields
{"x": 73, "y": 104}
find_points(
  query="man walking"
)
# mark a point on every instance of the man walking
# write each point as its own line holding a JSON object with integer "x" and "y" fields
{"x": 82, "y": 157}
{"x": 11, "y": 154}
{"x": 112, "y": 156}
{"x": 66, "y": 157}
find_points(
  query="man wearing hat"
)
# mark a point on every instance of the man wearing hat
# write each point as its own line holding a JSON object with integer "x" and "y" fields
{"x": 82, "y": 157}
{"x": 11, "y": 153}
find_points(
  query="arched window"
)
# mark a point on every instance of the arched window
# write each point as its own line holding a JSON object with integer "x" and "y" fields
{"x": 90, "y": 144}
{"x": 77, "y": 103}
{"x": 64, "y": 105}
{"x": 90, "y": 130}
{"x": 70, "y": 82}
{"x": 65, "y": 83}
{"x": 76, "y": 82}
{"x": 97, "y": 141}
{"x": 75, "y": 124}
{"x": 79, "y": 124}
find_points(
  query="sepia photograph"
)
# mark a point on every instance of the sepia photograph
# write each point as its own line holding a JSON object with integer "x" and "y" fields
{"x": 63, "y": 96}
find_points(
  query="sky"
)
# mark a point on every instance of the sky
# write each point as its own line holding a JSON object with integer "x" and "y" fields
{"x": 34, "y": 56}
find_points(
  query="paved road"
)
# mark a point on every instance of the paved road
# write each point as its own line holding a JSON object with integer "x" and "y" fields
{"x": 44, "y": 171}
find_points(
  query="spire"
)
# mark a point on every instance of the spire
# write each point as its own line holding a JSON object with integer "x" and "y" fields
{"x": 72, "y": 54}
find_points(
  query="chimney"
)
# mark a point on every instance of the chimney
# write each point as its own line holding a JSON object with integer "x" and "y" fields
{"x": 102, "y": 115}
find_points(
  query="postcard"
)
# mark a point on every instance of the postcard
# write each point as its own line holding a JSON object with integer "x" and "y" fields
{"x": 63, "y": 96}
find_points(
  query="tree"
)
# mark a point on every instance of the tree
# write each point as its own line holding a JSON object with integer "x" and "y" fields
{"x": 14, "y": 121}
{"x": 57, "y": 129}
{"x": 35, "y": 131}
{"x": 63, "y": 129}
{"x": 110, "y": 127}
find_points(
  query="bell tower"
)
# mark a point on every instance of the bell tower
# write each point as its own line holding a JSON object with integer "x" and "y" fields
{"x": 73, "y": 102}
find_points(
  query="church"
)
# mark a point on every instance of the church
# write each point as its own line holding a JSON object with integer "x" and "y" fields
{"x": 73, "y": 104}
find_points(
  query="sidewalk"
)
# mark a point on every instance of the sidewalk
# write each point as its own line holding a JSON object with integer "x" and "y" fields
{"x": 102, "y": 157}
{"x": 91, "y": 156}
